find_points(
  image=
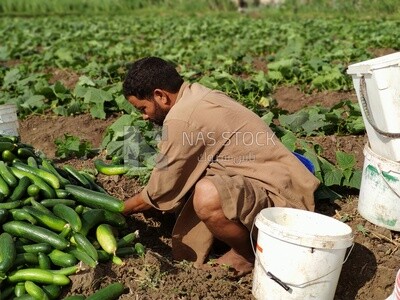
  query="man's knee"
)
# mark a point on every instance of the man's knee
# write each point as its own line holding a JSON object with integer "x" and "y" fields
{"x": 206, "y": 198}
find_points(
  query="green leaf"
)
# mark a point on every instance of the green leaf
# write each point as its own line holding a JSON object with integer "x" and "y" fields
{"x": 268, "y": 117}
{"x": 333, "y": 177}
{"x": 35, "y": 101}
{"x": 11, "y": 76}
{"x": 124, "y": 105}
{"x": 355, "y": 180}
{"x": 85, "y": 81}
{"x": 289, "y": 140}
{"x": 94, "y": 95}
{"x": 64, "y": 54}
{"x": 294, "y": 121}
{"x": 97, "y": 111}
{"x": 345, "y": 160}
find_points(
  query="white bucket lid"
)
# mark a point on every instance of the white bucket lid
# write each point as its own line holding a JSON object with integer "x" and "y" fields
{"x": 304, "y": 228}
{"x": 366, "y": 67}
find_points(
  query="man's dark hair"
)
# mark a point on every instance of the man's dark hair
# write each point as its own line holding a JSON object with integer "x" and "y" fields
{"x": 150, "y": 73}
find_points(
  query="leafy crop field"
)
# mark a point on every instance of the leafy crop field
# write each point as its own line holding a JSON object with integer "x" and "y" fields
{"x": 286, "y": 64}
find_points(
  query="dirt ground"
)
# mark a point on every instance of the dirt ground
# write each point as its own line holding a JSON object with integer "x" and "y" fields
{"x": 368, "y": 273}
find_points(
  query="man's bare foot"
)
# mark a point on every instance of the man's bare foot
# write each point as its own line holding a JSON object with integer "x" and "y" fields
{"x": 234, "y": 261}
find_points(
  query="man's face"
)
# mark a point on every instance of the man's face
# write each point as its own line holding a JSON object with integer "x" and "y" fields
{"x": 152, "y": 110}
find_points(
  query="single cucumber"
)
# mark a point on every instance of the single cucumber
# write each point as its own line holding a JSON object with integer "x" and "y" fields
{"x": 39, "y": 276}
{"x": 19, "y": 289}
{"x": 11, "y": 205}
{"x": 110, "y": 292}
{"x": 124, "y": 251}
{"x": 114, "y": 218}
{"x": 66, "y": 232}
{"x": 31, "y": 161}
{"x": 34, "y": 248}
{"x": 62, "y": 259}
{"x": 8, "y": 177}
{"x": 79, "y": 209}
{"x": 62, "y": 194}
{"x": 47, "y": 191}
{"x": 140, "y": 249}
{"x": 82, "y": 181}
{"x": 103, "y": 255}
{"x": 117, "y": 260}
{"x": 50, "y": 167}
{"x": 25, "y": 152}
{"x": 20, "y": 190}
{"x": 19, "y": 214}
{"x": 35, "y": 291}
{"x": 110, "y": 169}
{"x": 69, "y": 215}
{"x": 84, "y": 257}
{"x": 127, "y": 239}
{"x": 4, "y": 188}
{"x": 49, "y": 203}
{"x": 106, "y": 238}
{"x": 26, "y": 259}
{"x": 8, "y": 253}
{"x": 40, "y": 206}
{"x": 50, "y": 220}
{"x": 6, "y": 139}
{"x": 48, "y": 177}
{"x": 8, "y": 156}
{"x": 67, "y": 271}
{"x": 5, "y": 145}
{"x": 91, "y": 218}
{"x": 3, "y": 215}
{"x": 33, "y": 190}
{"x": 44, "y": 261}
{"x": 95, "y": 199}
{"x": 35, "y": 233}
{"x": 85, "y": 245}
{"x": 53, "y": 291}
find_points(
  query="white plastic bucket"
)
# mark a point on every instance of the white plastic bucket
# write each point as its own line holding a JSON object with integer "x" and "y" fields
{"x": 9, "y": 120}
{"x": 379, "y": 198}
{"x": 299, "y": 254}
{"x": 377, "y": 85}
{"x": 396, "y": 290}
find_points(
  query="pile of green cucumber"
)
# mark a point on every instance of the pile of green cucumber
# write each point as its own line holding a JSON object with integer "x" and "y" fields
{"x": 55, "y": 221}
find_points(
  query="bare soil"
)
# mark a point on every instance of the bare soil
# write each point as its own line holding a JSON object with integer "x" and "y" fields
{"x": 368, "y": 273}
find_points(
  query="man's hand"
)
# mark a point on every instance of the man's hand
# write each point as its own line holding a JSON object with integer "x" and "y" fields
{"x": 135, "y": 204}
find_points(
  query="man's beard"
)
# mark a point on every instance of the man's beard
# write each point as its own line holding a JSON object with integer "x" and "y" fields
{"x": 159, "y": 114}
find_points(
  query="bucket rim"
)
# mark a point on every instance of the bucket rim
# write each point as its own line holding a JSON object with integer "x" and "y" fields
{"x": 8, "y": 105}
{"x": 375, "y": 157}
{"x": 265, "y": 223}
{"x": 367, "y": 66}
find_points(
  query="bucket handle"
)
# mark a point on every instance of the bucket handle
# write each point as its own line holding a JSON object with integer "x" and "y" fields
{"x": 286, "y": 285}
{"x": 363, "y": 100}
{"x": 387, "y": 181}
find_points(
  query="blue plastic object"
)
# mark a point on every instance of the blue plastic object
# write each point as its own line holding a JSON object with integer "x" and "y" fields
{"x": 309, "y": 165}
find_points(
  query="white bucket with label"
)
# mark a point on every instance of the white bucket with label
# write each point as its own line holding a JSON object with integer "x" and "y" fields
{"x": 299, "y": 254}
{"x": 9, "y": 120}
{"x": 379, "y": 198}
{"x": 377, "y": 85}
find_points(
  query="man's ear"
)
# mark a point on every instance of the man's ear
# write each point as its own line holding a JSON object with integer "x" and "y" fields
{"x": 161, "y": 96}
